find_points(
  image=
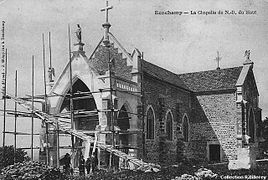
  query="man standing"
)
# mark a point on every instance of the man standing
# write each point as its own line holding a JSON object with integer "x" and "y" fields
{"x": 94, "y": 162}
{"x": 67, "y": 162}
{"x": 88, "y": 164}
{"x": 82, "y": 166}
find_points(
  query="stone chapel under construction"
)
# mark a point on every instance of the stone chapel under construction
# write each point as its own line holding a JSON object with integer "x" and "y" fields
{"x": 143, "y": 110}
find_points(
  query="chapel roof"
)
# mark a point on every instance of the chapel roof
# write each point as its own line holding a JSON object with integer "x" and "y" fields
{"x": 212, "y": 80}
{"x": 163, "y": 74}
{"x": 100, "y": 62}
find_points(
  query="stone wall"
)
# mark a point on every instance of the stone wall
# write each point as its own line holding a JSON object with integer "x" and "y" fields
{"x": 214, "y": 121}
{"x": 250, "y": 104}
{"x": 250, "y": 95}
{"x": 164, "y": 97}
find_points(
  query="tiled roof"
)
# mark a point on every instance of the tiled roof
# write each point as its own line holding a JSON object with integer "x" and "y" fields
{"x": 100, "y": 62}
{"x": 163, "y": 74}
{"x": 203, "y": 81}
{"x": 213, "y": 80}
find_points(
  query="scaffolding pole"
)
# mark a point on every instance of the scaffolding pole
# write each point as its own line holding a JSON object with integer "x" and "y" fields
{"x": 5, "y": 102}
{"x": 45, "y": 98}
{"x": 49, "y": 46}
{"x": 58, "y": 146}
{"x": 32, "y": 128}
{"x": 71, "y": 93}
{"x": 111, "y": 99}
{"x": 111, "y": 103}
{"x": 142, "y": 104}
{"x": 80, "y": 93}
{"x": 15, "y": 117}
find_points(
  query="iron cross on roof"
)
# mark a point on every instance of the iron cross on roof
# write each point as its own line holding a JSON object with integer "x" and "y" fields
{"x": 106, "y": 9}
{"x": 218, "y": 58}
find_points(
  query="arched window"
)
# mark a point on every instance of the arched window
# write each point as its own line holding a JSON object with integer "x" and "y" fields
{"x": 251, "y": 126}
{"x": 123, "y": 123}
{"x": 169, "y": 129}
{"x": 185, "y": 129}
{"x": 150, "y": 123}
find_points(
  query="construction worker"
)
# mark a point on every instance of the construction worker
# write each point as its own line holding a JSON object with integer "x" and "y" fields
{"x": 88, "y": 164}
{"x": 67, "y": 162}
{"x": 94, "y": 162}
{"x": 82, "y": 166}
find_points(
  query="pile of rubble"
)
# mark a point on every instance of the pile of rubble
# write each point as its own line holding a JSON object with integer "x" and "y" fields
{"x": 201, "y": 173}
{"x": 31, "y": 171}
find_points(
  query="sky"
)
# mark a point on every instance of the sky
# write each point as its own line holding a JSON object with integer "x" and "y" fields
{"x": 179, "y": 43}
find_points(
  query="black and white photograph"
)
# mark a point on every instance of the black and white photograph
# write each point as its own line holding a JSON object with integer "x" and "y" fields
{"x": 133, "y": 89}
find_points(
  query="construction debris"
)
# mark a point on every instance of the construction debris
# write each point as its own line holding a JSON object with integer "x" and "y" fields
{"x": 31, "y": 170}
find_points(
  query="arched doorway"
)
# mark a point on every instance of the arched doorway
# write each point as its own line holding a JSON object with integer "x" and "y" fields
{"x": 85, "y": 113}
{"x": 84, "y": 106}
{"x": 123, "y": 123}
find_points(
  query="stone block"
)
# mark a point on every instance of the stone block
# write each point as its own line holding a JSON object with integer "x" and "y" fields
{"x": 246, "y": 159}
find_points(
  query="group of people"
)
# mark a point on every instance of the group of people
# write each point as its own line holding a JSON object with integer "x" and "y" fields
{"x": 90, "y": 164}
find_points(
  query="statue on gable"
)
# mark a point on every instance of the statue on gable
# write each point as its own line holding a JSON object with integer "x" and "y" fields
{"x": 78, "y": 34}
{"x": 247, "y": 55}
